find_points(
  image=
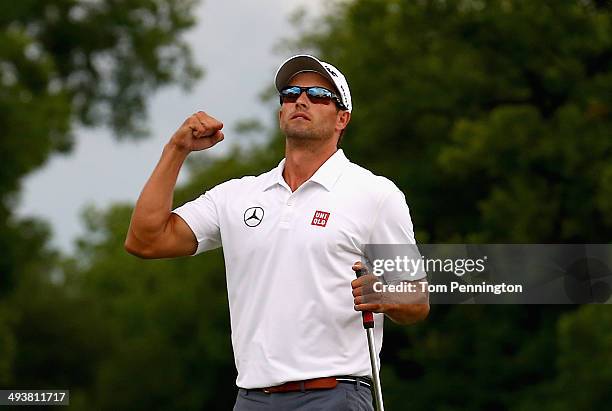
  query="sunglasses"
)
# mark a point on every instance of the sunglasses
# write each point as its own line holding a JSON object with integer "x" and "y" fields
{"x": 317, "y": 95}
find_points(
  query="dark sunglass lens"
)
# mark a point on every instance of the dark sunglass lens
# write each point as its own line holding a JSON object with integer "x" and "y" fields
{"x": 291, "y": 91}
{"x": 320, "y": 95}
{"x": 319, "y": 92}
{"x": 290, "y": 94}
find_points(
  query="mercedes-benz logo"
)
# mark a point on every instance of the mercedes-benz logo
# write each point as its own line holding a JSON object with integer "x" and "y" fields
{"x": 253, "y": 216}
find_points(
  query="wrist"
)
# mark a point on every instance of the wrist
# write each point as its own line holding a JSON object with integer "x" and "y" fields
{"x": 176, "y": 150}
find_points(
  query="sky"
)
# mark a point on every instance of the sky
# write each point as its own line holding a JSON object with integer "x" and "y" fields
{"x": 236, "y": 44}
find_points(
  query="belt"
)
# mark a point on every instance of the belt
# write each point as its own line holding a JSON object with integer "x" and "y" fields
{"x": 316, "y": 384}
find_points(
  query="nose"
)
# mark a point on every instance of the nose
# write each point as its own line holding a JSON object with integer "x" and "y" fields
{"x": 302, "y": 99}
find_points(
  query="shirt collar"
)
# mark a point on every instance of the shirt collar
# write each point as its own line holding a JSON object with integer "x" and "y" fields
{"x": 326, "y": 175}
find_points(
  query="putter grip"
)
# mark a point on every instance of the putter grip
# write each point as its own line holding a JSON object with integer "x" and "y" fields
{"x": 366, "y": 316}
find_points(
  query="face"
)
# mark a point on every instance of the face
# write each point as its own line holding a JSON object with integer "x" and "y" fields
{"x": 305, "y": 120}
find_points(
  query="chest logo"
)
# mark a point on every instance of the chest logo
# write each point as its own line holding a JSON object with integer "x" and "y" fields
{"x": 320, "y": 218}
{"x": 253, "y": 216}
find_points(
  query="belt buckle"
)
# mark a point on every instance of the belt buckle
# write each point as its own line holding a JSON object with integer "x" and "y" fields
{"x": 266, "y": 390}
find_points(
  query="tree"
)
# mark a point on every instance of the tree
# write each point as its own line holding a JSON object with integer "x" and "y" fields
{"x": 505, "y": 102}
{"x": 75, "y": 60}
{"x": 494, "y": 118}
{"x": 64, "y": 63}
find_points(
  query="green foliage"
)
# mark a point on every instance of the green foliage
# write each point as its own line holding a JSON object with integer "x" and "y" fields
{"x": 168, "y": 323}
{"x": 91, "y": 61}
{"x": 494, "y": 117}
{"x": 74, "y": 60}
{"x": 65, "y": 63}
{"x": 7, "y": 348}
{"x": 585, "y": 353}
{"x": 584, "y": 342}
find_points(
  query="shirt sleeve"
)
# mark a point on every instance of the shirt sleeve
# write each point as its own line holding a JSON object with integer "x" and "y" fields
{"x": 202, "y": 217}
{"x": 392, "y": 224}
{"x": 392, "y": 237}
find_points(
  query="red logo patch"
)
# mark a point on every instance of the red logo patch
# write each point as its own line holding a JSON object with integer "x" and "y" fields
{"x": 320, "y": 218}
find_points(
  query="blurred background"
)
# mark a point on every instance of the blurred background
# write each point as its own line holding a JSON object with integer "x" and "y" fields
{"x": 494, "y": 118}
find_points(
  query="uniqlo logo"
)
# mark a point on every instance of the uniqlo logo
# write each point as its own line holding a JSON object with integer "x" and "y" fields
{"x": 320, "y": 218}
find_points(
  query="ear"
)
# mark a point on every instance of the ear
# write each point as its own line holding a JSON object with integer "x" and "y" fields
{"x": 343, "y": 119}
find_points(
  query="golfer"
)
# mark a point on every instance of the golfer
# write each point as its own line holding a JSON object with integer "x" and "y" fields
{"x": 292, "y": 238}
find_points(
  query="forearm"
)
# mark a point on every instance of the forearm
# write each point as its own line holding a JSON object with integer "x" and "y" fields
{"x": 407, "y": 313}
{"x": 408, "y": 307}
{"x": 154, "y": 204}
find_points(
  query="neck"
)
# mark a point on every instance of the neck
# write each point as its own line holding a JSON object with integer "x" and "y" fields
{"x": 303, "y": 160}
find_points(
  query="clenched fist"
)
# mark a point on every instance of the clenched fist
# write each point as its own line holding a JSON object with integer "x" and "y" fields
{"x": 199, "y": 132}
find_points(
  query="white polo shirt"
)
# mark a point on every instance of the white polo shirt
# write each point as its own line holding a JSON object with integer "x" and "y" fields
{"x": 288, "y": 258}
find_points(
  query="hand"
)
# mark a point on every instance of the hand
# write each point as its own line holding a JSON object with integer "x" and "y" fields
{"x": 198, "y": 132}
{"x": 407, "y": 305}
{"x": 364, "y": 296}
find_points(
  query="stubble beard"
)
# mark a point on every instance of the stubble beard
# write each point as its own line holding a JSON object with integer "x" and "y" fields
{"x": 305, "y": 132}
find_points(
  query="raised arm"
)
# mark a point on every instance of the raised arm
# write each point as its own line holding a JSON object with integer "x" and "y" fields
{"x": 155, "y": 232}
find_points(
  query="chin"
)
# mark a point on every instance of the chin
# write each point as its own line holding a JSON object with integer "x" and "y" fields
{"x": 305, "y": 132}
{"x": 300, "y": 133}
{"x": 301, "y": 136}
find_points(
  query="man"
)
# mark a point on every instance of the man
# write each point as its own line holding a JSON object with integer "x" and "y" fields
{"x": 290, "y": 238}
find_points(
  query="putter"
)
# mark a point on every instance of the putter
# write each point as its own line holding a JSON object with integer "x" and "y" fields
{"x": 368, "y": 325}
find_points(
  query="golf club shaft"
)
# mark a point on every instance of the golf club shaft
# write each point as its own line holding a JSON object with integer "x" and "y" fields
{"x": 368, "y": 324}
{"x": 375, "y": 377}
